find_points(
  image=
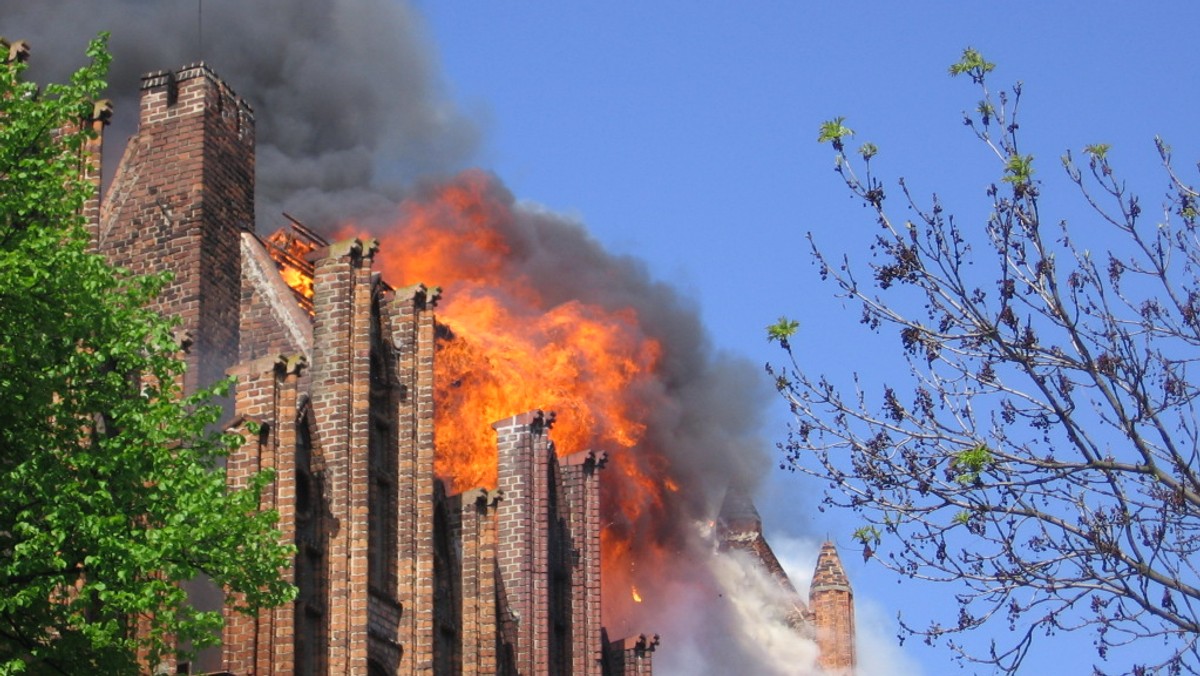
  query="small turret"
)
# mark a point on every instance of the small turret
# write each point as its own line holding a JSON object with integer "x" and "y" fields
{"x": 831, "y": 602}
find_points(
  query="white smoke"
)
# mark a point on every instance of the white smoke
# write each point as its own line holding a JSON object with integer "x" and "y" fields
{"x": 730, "y": 616}
{"x": 877, "y": 650}
{"x": 762, "y": 616}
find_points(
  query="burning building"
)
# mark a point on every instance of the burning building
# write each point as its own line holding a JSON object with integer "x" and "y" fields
{"x": 482, "y": 554}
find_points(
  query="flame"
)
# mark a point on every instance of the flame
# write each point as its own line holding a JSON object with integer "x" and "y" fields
{"x": 507, "y": 347}
{"x": 637, "y": 598}
{"x": 288, "y": 247}
{"x": 298, "y": 279}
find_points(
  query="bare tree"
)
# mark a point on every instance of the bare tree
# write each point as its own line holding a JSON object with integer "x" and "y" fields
{"x": 1043, "y": 454}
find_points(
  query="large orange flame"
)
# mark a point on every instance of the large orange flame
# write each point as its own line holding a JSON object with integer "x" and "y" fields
{"x": 506, "y": 349}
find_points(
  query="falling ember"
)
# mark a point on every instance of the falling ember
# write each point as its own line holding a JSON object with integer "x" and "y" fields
{"x": 637, "y": 598}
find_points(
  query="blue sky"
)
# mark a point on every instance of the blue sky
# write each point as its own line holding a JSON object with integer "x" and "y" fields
{"x": 684, "y": 133}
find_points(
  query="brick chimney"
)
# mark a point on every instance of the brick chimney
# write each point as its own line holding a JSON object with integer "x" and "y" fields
{"x": 831, "y": 602}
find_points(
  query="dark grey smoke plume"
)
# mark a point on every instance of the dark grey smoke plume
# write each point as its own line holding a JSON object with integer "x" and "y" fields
{"x": 347, "y": 98}
{"x": 710, "y": 432}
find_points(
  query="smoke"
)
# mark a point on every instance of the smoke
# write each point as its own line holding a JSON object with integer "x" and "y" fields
{"x": 349, "y": 108}
{"x": 760, "y": 616}
{"x": 875, "y": 633}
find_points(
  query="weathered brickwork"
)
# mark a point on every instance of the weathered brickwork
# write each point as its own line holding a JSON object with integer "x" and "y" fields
{"x": 181, "y": 196}
{"x": 580, "y": 482}
{"x": 267, "y": 386}
{"x": 335, "y": 394}
{"x": 548, "y": 550}
{"x": 832, "y": 603}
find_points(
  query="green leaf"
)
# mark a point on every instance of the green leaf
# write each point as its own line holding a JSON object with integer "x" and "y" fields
{"x": 108, "y": 476}
{"x": 970, "y": 463}
{"x": 971, "y": 63}
{"x": 782, "y": 330}
{"x": 833, "y": 131}
{"x": 1019, "y": 169}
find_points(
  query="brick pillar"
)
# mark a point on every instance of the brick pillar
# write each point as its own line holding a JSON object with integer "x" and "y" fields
{"x": 581, "y": 490}
{"x": 282, "y": 497}
{"x": 410, "y": 320}
{"x": 831, "y": 602}
{"x": 89, "y": 161}
{"x": 179, "y": 199}
{"x": 342, "y": 305}
{"x": 254, "y": 403}
{"x": 478, "y": 582}
{"x": 523, "y": 535}
{"x": 266, "y": 395}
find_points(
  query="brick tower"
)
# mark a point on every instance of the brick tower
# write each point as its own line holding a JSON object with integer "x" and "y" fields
{"x": 831, "y": 601}
{"x": 181, "y": 196}
{"x": 335, "y": 369}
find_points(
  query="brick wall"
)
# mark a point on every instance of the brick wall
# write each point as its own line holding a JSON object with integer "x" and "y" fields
{"x": 89, "y": 163}
{"x": 314, "y": 525}
{"x": 632, "y": 656}
{"x": 477, "y": 581}
{"x": 393, "y": 577}
{"x": 581, "y": 493}
{"x": 523, "y": 537}
{"x": 548, "y": 551}
{"x": 266, "y": 397}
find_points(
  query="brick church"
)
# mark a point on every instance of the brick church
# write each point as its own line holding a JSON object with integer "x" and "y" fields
{"x": 335, "y": 376}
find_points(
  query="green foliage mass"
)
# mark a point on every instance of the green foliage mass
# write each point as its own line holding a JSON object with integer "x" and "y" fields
{"x": 111, "y": 490}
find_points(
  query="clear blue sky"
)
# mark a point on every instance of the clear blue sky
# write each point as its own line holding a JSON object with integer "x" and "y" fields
{"x": 684, "y": 133}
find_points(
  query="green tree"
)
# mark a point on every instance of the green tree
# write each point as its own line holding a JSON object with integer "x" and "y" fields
{"x": 111, "y": 492}
{"x": 1043, "y": 454}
